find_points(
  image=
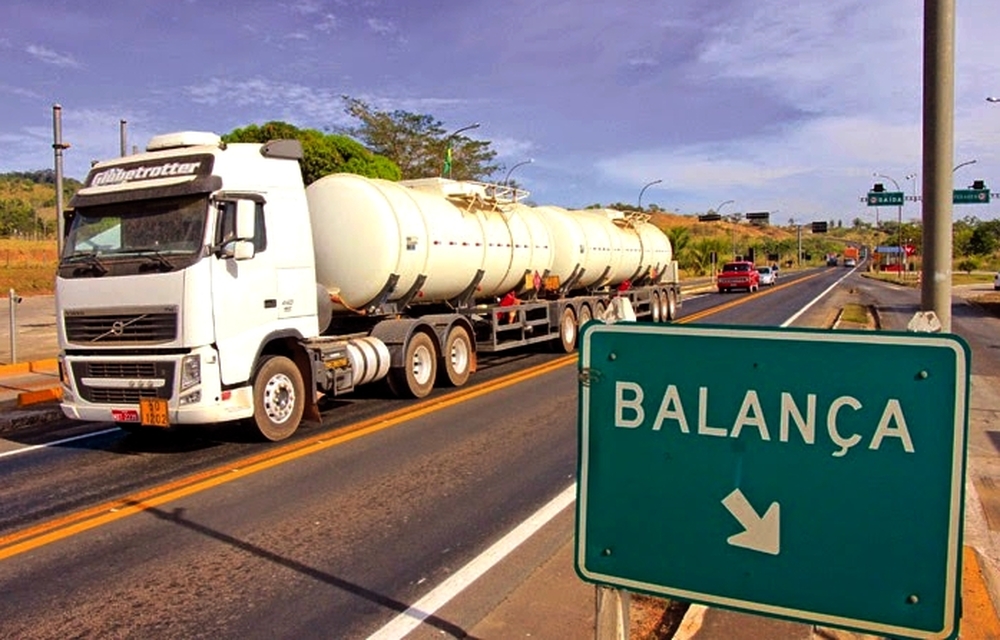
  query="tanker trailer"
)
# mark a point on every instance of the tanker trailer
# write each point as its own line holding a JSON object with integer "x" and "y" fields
{"x": 433, "y": 247}
{"x": 187, "y": 292}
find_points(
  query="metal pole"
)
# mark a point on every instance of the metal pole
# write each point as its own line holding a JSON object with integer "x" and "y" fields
{"x": 938, "y": 151}
{"x": 506, "y": 180}
{"x": 58, "y": 147}
{"x": 899, "y": 222}
{"x": 798, "y": 257}
{"x": 612, "y": 613}
{"x": 13, "y": 326}
{"x": 643, "y": 190}
{"x": 447, "y": 140}
{"x": 123, "y": 138}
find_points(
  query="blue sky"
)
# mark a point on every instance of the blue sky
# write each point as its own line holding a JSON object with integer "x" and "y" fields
{"x": 779, "y": 106}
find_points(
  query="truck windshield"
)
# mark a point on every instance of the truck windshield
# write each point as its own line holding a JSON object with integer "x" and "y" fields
{"x": 162, "y": 228}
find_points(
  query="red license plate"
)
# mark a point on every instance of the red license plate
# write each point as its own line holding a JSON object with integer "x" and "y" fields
{"x": 125, "y": 415}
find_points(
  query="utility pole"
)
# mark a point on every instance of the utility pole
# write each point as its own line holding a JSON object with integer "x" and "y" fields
{"x": 58, "y": 146}
{"x": 938, "y": 153}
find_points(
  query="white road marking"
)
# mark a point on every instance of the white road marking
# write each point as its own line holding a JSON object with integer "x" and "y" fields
{"x": 410, "y": 619}
{"x": 55, "y": 443}
{"x": 795, "y": 317}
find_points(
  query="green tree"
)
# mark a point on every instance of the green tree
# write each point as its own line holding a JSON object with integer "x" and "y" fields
{"x": 323, "y": 153}
{"x": 680, "y": 238}
{"x": 419, "y": 143}
{"x": 698, "y": 257}
{"x": 16, "y": 217}
{"x": 985, "y": 238}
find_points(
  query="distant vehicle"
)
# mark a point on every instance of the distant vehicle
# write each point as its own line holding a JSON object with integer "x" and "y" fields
{"x": 850, "y": 262}
{"x": 831, "y": 259}
{"x": 996, "y": 282}
{"x": 740, "y": 274}
{"x": 851, "y": 256}
{"x": 767, "y": 276}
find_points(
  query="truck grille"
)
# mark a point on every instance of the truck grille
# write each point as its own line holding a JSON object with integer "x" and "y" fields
{"x": 120, "y": 396}
{"x": 137, "y": 327}
{"x": 109, "y": 382}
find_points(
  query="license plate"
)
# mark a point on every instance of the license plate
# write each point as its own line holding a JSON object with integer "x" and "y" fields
{"x": 125, "y": 415}
{"x": 153, "y": 412}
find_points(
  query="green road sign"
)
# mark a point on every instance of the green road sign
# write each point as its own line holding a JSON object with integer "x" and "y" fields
{"x": 970, "y": 196}
{"x": 806, "y": 474}
{"x": 884, "y": 198}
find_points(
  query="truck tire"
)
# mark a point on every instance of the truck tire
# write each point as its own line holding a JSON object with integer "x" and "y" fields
{"x": 585, "y": 316}
{"x": 567, "y": 330}
{"x": 415, "y": 379}
{"x": 278, "y": 397}
{"x": 456, "y": 359}
{"x": 654, "y": 306}
{"x": 600, "y": 309}
{"x": 671, "y": 305}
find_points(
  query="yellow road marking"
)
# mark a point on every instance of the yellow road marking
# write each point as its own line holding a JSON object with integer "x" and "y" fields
{"x": 61, "y": 528}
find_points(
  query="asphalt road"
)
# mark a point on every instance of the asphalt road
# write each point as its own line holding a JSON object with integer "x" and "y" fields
{"x": 329, "y": 535}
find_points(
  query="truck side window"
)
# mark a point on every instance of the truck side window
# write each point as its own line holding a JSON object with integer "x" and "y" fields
{"x": 226, "y": 228}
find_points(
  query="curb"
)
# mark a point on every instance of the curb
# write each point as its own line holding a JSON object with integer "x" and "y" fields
{"x": 17, "y": 420}
{"x": 34, "y": 366}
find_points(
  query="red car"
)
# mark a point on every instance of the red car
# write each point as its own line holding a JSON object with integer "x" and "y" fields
{"x": 738, "y": 275}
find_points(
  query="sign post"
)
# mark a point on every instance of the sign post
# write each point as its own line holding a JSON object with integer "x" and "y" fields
{"x": 744, "y": 468}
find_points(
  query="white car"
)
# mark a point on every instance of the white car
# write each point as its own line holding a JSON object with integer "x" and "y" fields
{"x": 767, "y": 276}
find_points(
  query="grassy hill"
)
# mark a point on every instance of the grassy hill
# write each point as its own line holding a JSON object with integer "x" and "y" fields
{"x": 27, "y": 196}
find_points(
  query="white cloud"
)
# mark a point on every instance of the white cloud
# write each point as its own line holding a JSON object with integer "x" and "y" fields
{"x": 297, "y": 35}
{"x": 327, "y": 23}
{"x": 382, "y": 27}
{"x": 271, "y": 100}
{"x": 48, "y": 56}
{"x": 307, "y": 7}
{"x": 20, "y": 91}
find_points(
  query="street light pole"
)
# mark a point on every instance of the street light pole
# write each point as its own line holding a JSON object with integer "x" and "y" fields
{"x": 446, "y": 170}
{"x": 643, "y": 190}
{"x": 963, "y": 164}
{"x": 506, "y": 180}
{"x": 899, "y": 222}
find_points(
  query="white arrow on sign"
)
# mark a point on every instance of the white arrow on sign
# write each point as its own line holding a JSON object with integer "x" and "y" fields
{"x": 762, "y": 534}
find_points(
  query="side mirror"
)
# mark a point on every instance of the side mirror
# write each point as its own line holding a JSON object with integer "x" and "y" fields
{"x": 243, "y": 250}
{"x": 246, "y": 218}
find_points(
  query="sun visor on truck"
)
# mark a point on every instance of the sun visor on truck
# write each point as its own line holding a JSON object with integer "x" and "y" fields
{"x": 147, "y": 179}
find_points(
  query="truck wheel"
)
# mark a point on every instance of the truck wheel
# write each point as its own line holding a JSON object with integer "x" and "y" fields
{"x": 671, "y": 312}
{"x": 654, "y": 306}
{"x": 567, "y": 330}
{"x": 585, "y": 316}
{"x": 457, "y": 356}
{"x": 278, "y": 398}
{"x": 601, "y": 308}
{"x": 415, "y": 379}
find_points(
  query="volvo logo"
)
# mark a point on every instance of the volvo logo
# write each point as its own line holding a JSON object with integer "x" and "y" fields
{"x": 117, "y": 328}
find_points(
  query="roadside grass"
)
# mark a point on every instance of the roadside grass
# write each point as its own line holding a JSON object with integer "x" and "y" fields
{"x": 854, "y": 313}
{"x": 27, "y": 266}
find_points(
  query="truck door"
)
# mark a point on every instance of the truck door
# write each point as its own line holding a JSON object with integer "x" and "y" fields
{"x": 244, "y": 291}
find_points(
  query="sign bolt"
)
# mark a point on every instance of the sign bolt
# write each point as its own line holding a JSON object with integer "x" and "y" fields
{"x": 923, "y": 375}
{"x": 912, "y": 599}
{"x": 607, "y": 552}
{"x": 612, "y": 356}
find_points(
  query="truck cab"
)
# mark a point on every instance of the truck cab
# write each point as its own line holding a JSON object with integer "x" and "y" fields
{"x": 179, "y": 266}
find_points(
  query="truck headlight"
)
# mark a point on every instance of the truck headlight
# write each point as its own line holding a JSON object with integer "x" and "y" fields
{"x": 190, "y": 371}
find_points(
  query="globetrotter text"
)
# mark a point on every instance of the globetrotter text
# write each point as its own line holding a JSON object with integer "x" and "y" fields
{"x": 117, "y": 175}
{"x": 630, "y": 413}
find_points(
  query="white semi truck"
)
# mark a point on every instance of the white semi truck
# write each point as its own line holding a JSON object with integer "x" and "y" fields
{"x": 202, "y": 282}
